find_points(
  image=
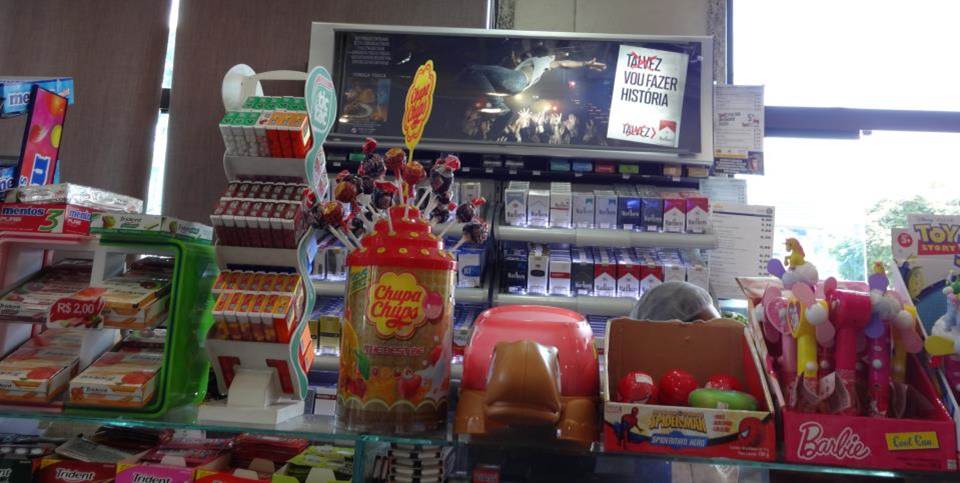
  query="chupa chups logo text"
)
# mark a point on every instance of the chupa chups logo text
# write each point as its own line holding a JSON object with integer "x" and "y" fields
{"x": 677, "y": 420}
{"x": 814, "y": 443}
{"x": 141, "y": 478}
{"x": 68, "y": 474}
{"x": 396, "y": 305}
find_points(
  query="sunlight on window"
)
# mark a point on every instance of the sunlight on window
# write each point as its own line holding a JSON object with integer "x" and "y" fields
{"x": 841, "y": 197}
{"x": 851, "y": 53}
{"x": 159, "y": 161}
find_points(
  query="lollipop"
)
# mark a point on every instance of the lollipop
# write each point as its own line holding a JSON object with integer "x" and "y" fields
{"x": 366, "y": 185}
{"x": 473, "y": 233}
{"x": 466, "y": 212}
{"x": 345, "y": 192}
{"x": 440, "y": 214}
{"x": 395, "y": 159}
{"x": 369, "y": 146}
{"x": 331, "y": 216}
{"x": 412, "y": 173}
{"x": 373, "y": 167}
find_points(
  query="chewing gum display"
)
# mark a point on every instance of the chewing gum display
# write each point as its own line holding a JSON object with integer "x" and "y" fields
{"x": 256, "y": 306}
{"x": 271, "y": 127}
{"x": 37, "y": 374}
{"x": 260, "y": 214}
{"x": 136, "y": 299}
{"x": 33, "y": 300}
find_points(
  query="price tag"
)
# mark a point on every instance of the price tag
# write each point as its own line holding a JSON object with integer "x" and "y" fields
{"x": 79, "y": 310}
{"x": 465, "y": 169}
{"x": 489, "y": 170}
{"x": 513, "y": 171}
{"x": 625, "y": 176}
{"x": 577, "y": 175}
{"x": 336, "y": 163}
{"x": 536, "y": 173}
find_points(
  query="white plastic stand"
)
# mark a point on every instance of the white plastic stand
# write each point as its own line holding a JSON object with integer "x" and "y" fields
{"x": 254, "y": 397}
{"x": 265, "y": 382}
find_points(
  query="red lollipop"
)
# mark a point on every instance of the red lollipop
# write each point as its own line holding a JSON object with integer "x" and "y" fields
{"x": 394, "y": 159}
{"x": 369, "y": 145}
{"x": 413, "y": 172}
{"x": 332, "y": 212}
{"x": 345, "y": 192}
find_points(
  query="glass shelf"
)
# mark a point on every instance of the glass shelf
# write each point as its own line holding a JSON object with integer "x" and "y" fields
{"x": 323, "y": 428}
{"x": 309, "y": 426}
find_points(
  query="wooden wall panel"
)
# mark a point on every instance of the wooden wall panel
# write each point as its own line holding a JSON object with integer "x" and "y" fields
{"x": 214, "y": 35}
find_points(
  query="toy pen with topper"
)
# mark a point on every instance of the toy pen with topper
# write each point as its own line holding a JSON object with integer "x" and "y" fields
{"x": 944, "y": 341}
{"x": 776, "y": 329}
{"x": 805, "y": 318}
{"x": 849, "y": 311}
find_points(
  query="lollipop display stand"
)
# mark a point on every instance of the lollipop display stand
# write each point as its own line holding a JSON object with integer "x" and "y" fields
{"x": 266, "y": 382}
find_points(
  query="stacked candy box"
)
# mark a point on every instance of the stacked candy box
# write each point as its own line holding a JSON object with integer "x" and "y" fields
{"x": 118, "y": 379}
{"x": 33, "y": 300}
{"x": 842, "y": 358}
{"x": 40, "y": 369}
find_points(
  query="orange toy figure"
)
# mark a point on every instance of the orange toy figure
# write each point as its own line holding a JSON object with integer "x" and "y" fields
{"x": 533, "y": 370}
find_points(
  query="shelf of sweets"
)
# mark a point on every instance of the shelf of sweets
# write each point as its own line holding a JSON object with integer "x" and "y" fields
{"x": 323, "y": 428}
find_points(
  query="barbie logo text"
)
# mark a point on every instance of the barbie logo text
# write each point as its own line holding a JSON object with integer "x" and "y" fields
{"x": 846, "y": 445}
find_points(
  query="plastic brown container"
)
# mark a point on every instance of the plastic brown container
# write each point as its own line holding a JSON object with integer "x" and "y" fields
{"x": 396, "y": 341}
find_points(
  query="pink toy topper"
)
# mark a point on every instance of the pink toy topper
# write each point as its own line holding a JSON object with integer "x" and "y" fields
{"x": 774, "y": 306}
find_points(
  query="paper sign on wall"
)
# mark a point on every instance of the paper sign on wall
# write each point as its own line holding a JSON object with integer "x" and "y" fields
{"x": 418, "y": 105}
{"x": 647, "y": 99}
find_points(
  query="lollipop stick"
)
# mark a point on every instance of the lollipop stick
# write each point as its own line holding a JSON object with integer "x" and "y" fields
{"x": 339, "y": 236}
{"x": 447, "y": 225}
{"x": 352, "y": 237}
{"x": 461, "y": 242}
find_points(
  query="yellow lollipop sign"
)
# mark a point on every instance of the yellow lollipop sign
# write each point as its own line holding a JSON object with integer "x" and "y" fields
{"x": 418, "y": 105}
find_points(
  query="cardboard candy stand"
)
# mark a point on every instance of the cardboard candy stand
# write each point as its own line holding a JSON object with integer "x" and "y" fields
{"x": 397, "y": 337}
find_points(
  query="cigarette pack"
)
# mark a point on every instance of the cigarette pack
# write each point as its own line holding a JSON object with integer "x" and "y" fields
{"x": 698, "y": 271}
{"x": 560, "y": 202}
{"x": 673, "y": 269}
{"x": 651, "y": 274}
{"x": 698, "y": 213}
{"x": 629, "y": 210}
{"x": 652, "y": 212}
{"x": 582, "y": 271}
{"x": 583, "y": 210}
{"x": 674, "y": 213}
{"x": 606, "y": 209}
{"x": 470, "y": 263}
{"x": 628, "y": 274}
{"x": 515, "y": 204}
{"x": 560, "y": 272}
{"x": 538, "y": 208}
{"x": 538, "y": 267}
{"x": 513, "y": 271}
{"x": 470, "y": 190}
{"x": 117, "y": 379}
{"x": 604, "y": 273}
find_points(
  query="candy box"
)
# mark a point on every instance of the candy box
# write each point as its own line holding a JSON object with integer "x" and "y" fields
{"x": 37, "y": 375}
{"x": 18, "y": 470}
{"x": 154, "y": 225}
{"x": 926, "y": 440}
{"x": 117, "y": 379}
{"x": 135, "y": 300}
{"x": 703, "y": 349}
{"x": 58, "y": 470}
{"x": 45, "y": 218}
{"x": 15, "y": 92}
{"x": 171, "y": 468}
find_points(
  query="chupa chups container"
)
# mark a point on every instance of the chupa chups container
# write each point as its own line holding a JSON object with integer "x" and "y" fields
{"x": 396, "y": 340}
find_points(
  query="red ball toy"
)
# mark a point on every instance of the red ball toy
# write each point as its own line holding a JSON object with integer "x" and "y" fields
{"x": 636, "y": 387}
{"x": 675, "y": 387}
{"x": 725, "y": 382}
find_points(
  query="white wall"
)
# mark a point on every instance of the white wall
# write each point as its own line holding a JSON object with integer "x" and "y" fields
{"x": 648, "y": 17}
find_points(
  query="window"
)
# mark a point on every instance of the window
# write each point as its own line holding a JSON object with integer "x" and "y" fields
{"x": 841, "y": 196}
{"x": 157, "y": 165}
